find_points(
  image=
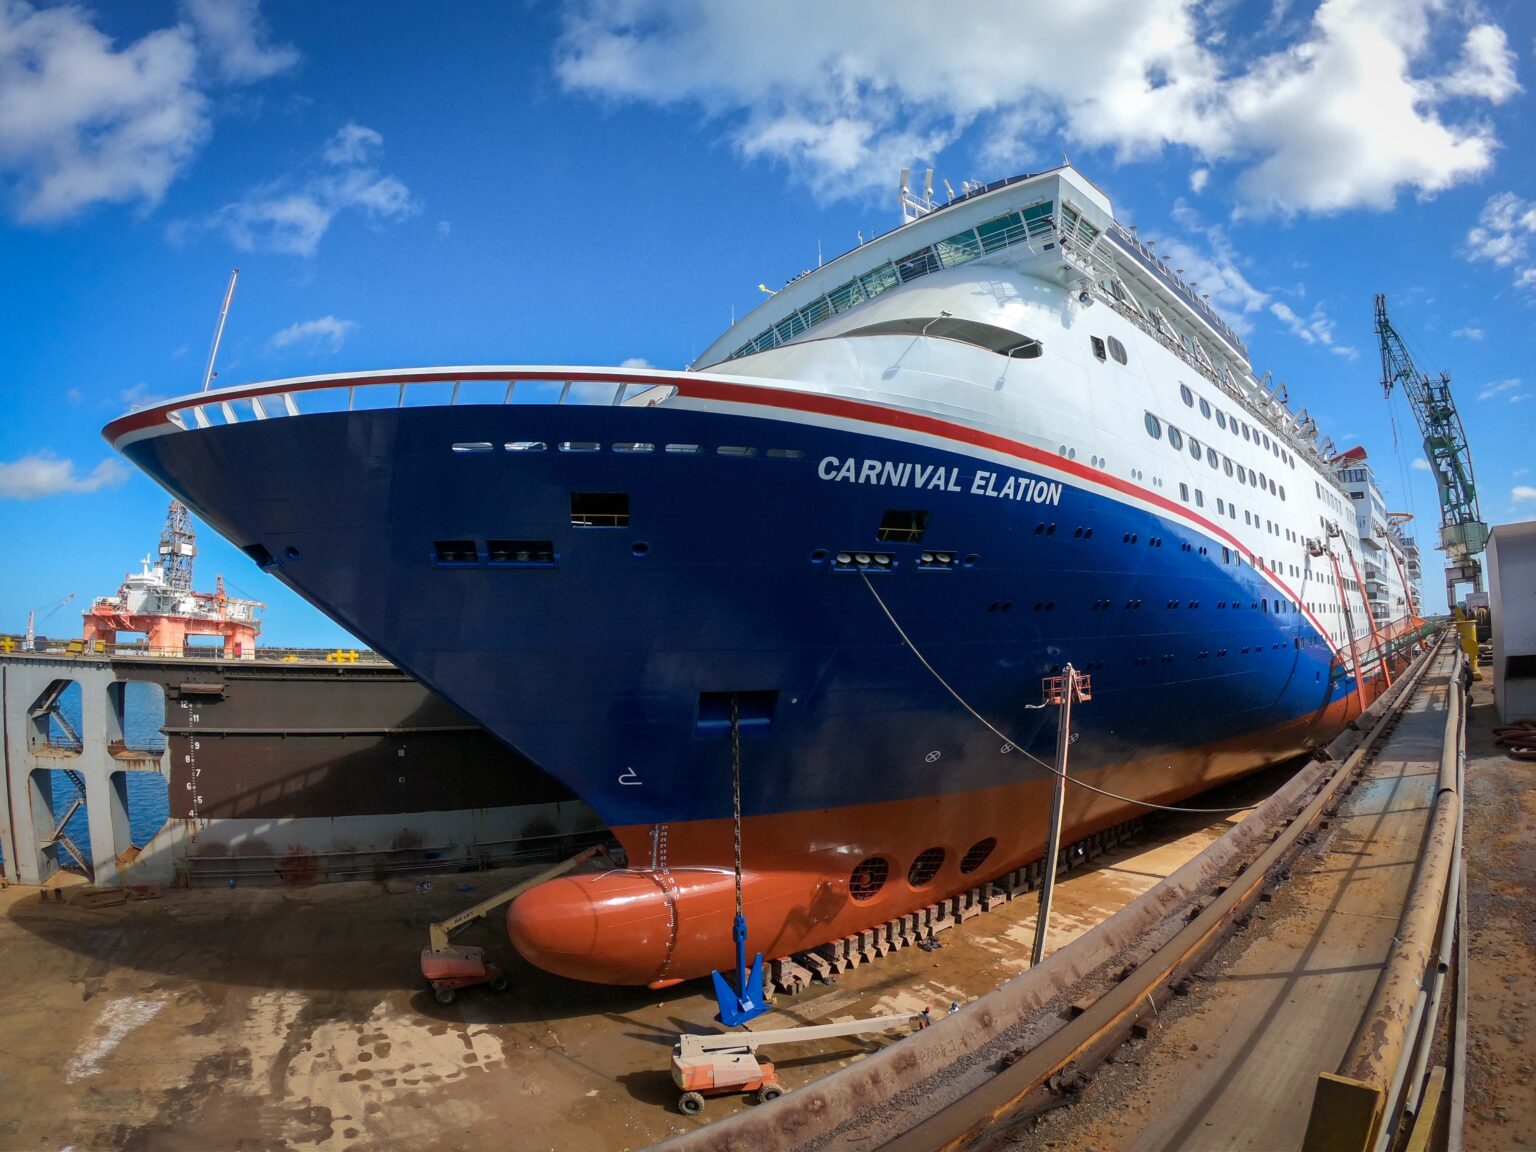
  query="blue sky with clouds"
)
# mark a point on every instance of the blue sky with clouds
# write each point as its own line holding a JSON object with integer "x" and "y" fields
{"x": 592, "y": 182}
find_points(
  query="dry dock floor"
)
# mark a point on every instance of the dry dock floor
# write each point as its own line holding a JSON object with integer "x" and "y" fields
{"x": 268, "y": 1018}
{"x": 1235, "y": 1064}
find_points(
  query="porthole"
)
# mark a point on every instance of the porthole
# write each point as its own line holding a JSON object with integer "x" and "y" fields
{"x": 1175, "y": 437}
{"x": 1186, "y": 395}
{"x": 925, "y": 867}
{"x": 976, "y": 855}
{"x": 1117, "y": 350}
{"x": 868, "y": 877}
{"x": 1194, "y": 448}
{"x": 1226, "y": 465}
{"x": 1205, "y": 407}
{"x": 1211, "y": 458}
{"x": 1154, "y": 426}
{"x": 819, "y": 556}
{"x": 1221, "y": 419}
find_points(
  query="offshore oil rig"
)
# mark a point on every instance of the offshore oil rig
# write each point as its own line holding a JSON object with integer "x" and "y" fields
{"x": 160, "y": 603}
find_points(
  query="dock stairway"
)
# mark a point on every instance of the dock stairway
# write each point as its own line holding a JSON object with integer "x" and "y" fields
{"x": 58, "y": 840}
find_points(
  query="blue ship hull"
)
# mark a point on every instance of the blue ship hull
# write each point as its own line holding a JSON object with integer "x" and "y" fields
{"x": 606, "y": 653}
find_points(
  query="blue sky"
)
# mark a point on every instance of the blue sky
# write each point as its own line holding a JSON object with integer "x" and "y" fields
{"x": 594, "y": 182}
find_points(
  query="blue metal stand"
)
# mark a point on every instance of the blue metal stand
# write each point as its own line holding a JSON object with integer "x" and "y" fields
{"x": 746, "y": 1000}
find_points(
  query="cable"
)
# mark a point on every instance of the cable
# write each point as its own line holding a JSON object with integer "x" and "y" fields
{"x": 1051, "y": 768}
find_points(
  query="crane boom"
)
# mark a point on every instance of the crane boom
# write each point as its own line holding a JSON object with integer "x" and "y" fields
{"x": 1463, "y": 534}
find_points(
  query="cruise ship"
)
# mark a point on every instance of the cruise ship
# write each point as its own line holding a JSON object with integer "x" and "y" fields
{"x": 1000, "y": 438}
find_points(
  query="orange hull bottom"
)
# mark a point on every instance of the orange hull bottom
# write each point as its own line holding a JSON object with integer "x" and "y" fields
{"x": 672, "y": 921}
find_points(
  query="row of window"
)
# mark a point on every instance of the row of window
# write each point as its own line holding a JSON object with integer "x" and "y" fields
{"x": 1177, "y": 440}
{"x": 961, "y": 248}
{"x": 1236, "y": 427}
{"x": 624, "y": 447}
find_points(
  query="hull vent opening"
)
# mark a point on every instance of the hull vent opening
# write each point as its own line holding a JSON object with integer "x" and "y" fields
{"x": 600, "y": 509}
{"x": 868, "y": 877}
{"x": 521, "y": 552}
{"x": 754, "y": 712}
{"x": 925, "y": 867}
{"x": 902, "y": 526}
{"x": 454, "y": 552}
{"x": 977, "y": 854}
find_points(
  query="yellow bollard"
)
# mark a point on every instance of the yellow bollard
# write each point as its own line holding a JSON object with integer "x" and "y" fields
{"x": 1466, "y": 630}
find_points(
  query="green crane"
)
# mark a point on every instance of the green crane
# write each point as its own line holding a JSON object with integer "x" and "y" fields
{"x": 1463, "y": 535}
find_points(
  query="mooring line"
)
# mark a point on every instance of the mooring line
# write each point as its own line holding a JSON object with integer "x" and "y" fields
{"x": 1051, "y": 768}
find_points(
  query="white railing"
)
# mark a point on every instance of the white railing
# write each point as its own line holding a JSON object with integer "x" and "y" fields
{"x": 356, "y": 394}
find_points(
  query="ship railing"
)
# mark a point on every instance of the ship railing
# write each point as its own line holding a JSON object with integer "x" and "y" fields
{"x": 417, "y": 390}
{"x": 1300, "y": 445}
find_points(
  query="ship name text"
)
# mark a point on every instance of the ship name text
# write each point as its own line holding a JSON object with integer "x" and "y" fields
{"x": 938, "y": 477}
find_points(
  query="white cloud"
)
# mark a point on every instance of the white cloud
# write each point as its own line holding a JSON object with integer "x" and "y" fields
{"x": 234, "y": 34}
{"x": 1519, "y": 472}
{"x": 139, "y": 396}
{"x": 636, "y": 362}
{"x": 327, "y": 333}
{"x": 1421, "y": 465}
{"x": 1502, "y": 236}
{"x": 1314, "y": 329}
{"x": 353, "y": 144}
{"x": 85, "y": 121}
{"x": 444, "y": 229}
{"x": 1198, "y": 180}
{"x": 293, "y": 216}
{"x": 1522, "y": 493}
{"x": 1469, "y": 333}
{"x": 1352, "y": 107}
{"x": 74, "y": 397}
{"x": 1499, "y": 387}
{"x": 1486, "y": 70}
{"x": 44, "y": 474}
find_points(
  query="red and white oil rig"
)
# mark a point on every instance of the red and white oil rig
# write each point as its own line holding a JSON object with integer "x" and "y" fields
{"x": 159, "y": 602}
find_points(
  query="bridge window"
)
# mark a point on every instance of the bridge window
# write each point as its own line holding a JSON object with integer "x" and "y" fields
{"x": 448, "y": 552}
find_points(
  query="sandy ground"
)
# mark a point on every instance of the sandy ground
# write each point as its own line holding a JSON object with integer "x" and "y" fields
{"x": 296, "y": 1019}
{"x": 1500, "y": 835}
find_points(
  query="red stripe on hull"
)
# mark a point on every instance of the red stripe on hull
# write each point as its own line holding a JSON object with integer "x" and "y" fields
{"x": 672, "y": 921}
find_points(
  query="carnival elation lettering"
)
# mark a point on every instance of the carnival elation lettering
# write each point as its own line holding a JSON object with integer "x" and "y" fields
{"x": 939, "y": 477}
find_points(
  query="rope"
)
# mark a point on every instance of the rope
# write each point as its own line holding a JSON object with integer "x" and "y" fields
{"x": 736, "y": 791}
{"x": 1051, "y": 768}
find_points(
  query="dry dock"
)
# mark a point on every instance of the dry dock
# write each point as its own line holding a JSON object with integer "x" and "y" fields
{"x": 294, "y": 1017}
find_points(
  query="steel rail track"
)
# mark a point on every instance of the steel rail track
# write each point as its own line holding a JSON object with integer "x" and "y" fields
{"x": 1041, "y": 1078}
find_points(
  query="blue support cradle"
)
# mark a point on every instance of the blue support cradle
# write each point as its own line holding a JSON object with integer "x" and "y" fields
{"x": 746, "y": 1000}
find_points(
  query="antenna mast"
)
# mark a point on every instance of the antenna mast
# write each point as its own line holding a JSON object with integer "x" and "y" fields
{"x": 218, "y": 332}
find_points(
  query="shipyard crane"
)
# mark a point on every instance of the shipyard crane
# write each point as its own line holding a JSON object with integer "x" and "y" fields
{"x": 29, "y": 642}
{"x": 1463, "y": 534}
